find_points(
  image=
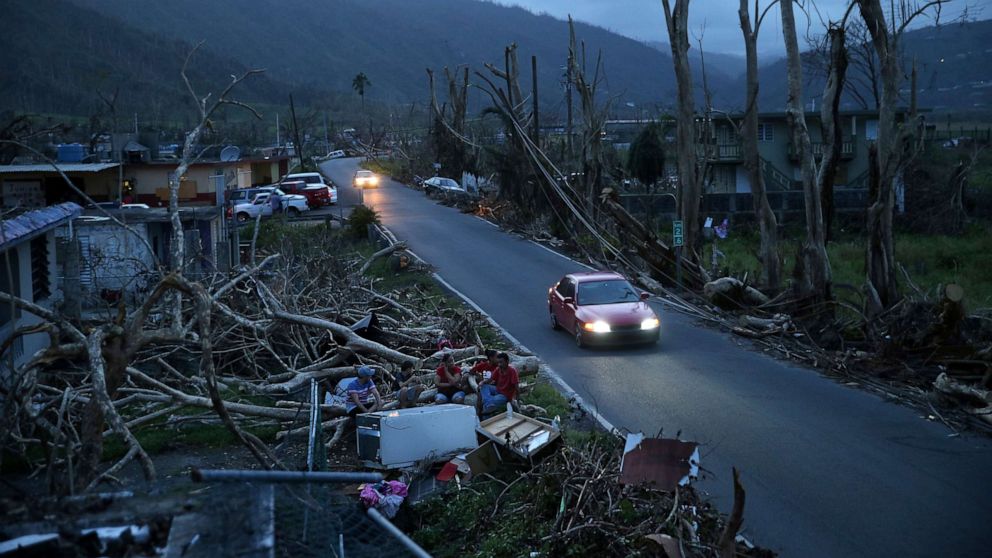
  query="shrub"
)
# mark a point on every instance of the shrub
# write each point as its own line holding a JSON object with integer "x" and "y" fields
{"x": 360, "y": 219}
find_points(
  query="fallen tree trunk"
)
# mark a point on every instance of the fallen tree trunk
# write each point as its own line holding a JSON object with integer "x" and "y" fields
{"x": 732, "y": 293}
{"x": 353, "y": 341}
{"x": 241, "y": 408}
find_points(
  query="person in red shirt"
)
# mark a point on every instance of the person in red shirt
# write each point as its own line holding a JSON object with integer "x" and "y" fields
{"x": 483, "y": 370}
{"x": 501, "y": 388}
{"x": 449, "y": 381}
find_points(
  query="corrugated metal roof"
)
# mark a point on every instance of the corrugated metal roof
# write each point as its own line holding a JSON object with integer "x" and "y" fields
{"x": 32, "y": 223}
{"x": 65, "y": 167}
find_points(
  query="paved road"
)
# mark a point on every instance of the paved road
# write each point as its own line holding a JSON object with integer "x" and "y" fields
{"x": 829, "y": 470}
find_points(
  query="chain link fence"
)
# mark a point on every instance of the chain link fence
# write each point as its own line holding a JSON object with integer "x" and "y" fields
{"x": 287, "y": 519}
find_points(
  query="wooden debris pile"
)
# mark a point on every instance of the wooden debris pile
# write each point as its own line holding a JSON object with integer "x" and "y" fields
{"x": 574, "y": 503}
{"x": 231, "y": 344}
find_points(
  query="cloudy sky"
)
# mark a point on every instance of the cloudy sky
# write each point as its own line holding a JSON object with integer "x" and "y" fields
{"x": 644, "y": 19}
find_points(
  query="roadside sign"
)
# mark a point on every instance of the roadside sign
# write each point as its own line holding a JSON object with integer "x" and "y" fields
{"x": 677, "y": 233}
{"x": 437, "y": 166}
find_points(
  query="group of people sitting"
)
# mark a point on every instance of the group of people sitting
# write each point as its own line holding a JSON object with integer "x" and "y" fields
{"x": 497, "y": 383}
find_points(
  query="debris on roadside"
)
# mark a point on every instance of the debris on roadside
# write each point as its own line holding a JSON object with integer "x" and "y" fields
{"x": 523, "y": 436}
{"x": 660, "y": 462}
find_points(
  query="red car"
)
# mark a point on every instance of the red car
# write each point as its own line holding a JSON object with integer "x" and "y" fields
{"x": 601, "y": 307}
{"x": 317, "y": 195}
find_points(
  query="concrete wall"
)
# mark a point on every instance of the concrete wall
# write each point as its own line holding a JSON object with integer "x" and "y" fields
{"x": 28, "y": 345}
{"x": 113, "y": 259}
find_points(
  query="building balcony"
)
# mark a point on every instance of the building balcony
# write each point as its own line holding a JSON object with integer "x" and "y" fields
{"x": 722, "y": 152}
{"x": 846, "y": 149}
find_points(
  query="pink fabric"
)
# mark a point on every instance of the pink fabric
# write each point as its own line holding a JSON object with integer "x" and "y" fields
{"x": 369, "y": 496}
{"x": 397, "y": 488}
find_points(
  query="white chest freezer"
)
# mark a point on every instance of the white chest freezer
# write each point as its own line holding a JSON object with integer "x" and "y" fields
{"x": 402, "y": 437}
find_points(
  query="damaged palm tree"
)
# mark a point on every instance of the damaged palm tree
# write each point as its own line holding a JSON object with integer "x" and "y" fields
{"x": 448, "y": 132}
{"x": 593, "y": 120}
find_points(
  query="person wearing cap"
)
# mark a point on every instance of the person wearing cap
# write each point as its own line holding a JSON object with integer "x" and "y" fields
{"x": 362, "y": 395}
{"x": 449, "y": 381}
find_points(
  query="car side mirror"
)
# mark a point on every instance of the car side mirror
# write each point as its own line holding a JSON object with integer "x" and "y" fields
{"x": 569, "y": 300}
{"x": 645, "y": 296}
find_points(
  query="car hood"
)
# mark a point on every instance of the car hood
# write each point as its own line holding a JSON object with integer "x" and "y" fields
{"x": 623, "y": 313}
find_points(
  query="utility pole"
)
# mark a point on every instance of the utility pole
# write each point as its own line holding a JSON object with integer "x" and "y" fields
{"x": 277, "y": 130}
{"x": 327, "y": 144}
{"x": 296, "y": 132}
{"x": 568, "y": 105}
{"x": 537, "y": 121}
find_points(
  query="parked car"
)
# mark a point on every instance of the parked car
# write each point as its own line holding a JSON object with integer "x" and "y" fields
{"x": 439, "y": 183}
{"x": 314, "y": 179}
{"x": 601, "y": 307}
{"x": 365, "y": 179}
{"x": 292, "y": 204}
{"x": 317, "y": 195}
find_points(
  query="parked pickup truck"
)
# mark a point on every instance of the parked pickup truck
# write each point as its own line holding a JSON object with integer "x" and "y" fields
{"x": 292, "y": 204}
{"x": 317, "y": 195}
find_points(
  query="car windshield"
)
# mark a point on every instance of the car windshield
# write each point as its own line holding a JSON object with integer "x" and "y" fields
{"x": 364, "y": 174}
{"x": 611, "y": 291}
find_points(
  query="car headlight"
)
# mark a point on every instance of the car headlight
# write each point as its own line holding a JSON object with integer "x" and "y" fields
{"x": 650, "y": 323}
{"x": 374, "y": 180}
{"x": 597, "y": 327}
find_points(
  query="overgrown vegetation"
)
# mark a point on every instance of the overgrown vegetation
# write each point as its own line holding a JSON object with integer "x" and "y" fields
{"x": 929, "y": 261}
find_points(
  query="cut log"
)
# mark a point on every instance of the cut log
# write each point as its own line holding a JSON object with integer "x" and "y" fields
{"x": 730, "y": 293}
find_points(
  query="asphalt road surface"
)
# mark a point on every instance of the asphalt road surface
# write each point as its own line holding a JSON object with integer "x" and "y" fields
{"x": 829, "y": 470}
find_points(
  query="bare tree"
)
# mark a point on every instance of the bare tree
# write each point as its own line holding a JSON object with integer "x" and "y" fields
{"x": 690, "y": 177}
{"x": 891, "y": 150}
{"x": 767, "y": 223}
{"x": 815, "y": 276}
{"x": 593, "y": 120}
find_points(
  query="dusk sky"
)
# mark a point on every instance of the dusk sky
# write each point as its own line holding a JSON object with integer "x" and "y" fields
{"x": 644, "y": 19}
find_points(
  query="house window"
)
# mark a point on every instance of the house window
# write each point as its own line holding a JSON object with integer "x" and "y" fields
{"x": 765, "y": 132}
{"x": 871, "y": 130}
{"x": 41, "y": 287}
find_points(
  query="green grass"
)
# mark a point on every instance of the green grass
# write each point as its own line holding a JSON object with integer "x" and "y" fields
{"x": 546, "y": 396}
{"x": 930, "y": 260}
{"x": 156, "y": 438}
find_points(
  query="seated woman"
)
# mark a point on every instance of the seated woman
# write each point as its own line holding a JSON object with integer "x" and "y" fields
{"x": 449, "y": 381}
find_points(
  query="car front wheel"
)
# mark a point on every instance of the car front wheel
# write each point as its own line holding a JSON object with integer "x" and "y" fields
{"x": 294, "y": 212}
{"x": 242, "y": 217}
{"x": 554, "y": 320}
{"x": 580, "y": 340}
